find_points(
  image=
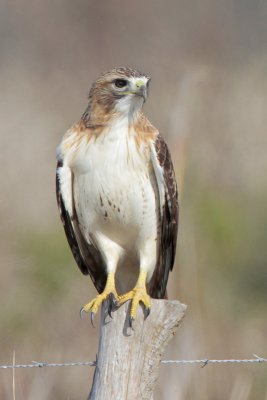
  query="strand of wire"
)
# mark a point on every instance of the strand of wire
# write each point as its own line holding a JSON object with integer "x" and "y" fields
{"x": 204, "y": 363}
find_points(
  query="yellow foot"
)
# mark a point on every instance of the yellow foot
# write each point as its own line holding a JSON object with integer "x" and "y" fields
{"x": 108, "y": 293}
{"x": 137, "y": 295}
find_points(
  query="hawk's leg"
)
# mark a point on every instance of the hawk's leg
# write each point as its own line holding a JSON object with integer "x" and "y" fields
{"x": 109, "y": 292}
{"x": 137, "y": 295}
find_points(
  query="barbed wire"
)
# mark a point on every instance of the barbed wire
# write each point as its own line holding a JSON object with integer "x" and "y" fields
{"x": 204, "y": 363}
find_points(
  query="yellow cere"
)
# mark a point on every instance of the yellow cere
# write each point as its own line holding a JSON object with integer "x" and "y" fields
{"x": 139, "y": 83}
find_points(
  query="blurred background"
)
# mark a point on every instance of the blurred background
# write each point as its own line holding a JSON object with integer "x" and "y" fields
{"x": 208, "y": 63}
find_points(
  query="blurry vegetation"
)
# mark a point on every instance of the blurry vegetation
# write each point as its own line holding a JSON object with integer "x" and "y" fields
{"x": 231, "y": 235}
{"x": 208, "y": 97}
{"x": 43, "y": 274}
{"x": 47, "y": 256}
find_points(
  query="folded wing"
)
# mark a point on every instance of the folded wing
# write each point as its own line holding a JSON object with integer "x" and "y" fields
{"x": 168, "y": 217}
{"x": 85, "y": 253}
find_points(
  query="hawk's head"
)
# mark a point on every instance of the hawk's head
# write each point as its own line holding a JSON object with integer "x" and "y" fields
{"x": 121, "y": 91}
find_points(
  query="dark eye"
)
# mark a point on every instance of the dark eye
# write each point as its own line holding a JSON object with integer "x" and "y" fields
{"x": 120, "y": 83}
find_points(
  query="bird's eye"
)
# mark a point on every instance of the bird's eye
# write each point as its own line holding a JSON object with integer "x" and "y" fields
{"x": 120, "y": 83}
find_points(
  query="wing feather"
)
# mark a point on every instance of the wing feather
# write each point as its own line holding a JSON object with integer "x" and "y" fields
{"x": 86, "y": 254}
{"x": 168, "y": 217}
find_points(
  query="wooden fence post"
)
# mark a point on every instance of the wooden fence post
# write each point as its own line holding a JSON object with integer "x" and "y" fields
{"x": 128, "y": 359}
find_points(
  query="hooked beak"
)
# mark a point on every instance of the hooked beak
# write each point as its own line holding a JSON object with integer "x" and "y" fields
{"x": 140, "y": 89}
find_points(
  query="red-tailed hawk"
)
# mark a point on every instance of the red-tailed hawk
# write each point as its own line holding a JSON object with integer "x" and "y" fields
{"x": 117, "y": 194}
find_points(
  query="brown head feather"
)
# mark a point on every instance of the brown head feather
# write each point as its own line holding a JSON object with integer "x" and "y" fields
{"x": 102, "y": 97}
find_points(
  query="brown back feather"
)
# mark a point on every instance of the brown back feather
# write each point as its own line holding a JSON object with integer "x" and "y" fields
{"x": 168, "y": 224}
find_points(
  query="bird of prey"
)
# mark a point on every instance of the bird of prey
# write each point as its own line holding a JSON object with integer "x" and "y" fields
{"x": 117, "y": 194}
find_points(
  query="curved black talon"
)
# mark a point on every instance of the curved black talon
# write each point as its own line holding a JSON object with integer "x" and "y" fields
{"x": 92, "y": 317}
{"x": 131, "y": 320}
{"x": 111, "y": 304}
{"x": 110, "y": 309}
{"x": 147, "y": 312}
{"x": 82, "y": 310}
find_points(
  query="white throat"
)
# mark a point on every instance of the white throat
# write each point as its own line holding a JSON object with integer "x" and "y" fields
{"x": 129, "y": 107}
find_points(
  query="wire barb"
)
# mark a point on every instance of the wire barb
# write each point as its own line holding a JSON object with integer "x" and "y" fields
{"x": 204, "y": 363}
{"x": 45, "y": 364}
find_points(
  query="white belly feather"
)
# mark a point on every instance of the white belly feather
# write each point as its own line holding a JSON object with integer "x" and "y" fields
{"x": 114, "y": 195}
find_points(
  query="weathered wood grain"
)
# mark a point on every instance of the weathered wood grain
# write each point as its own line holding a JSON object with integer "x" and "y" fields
{"x": 128, "y": 360}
